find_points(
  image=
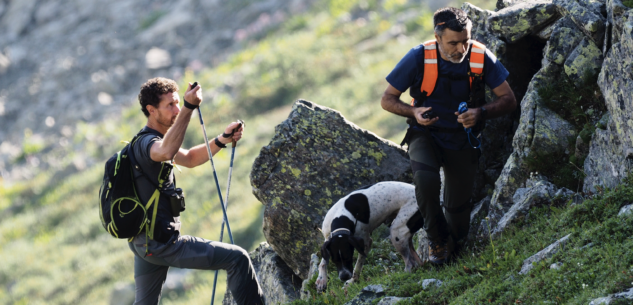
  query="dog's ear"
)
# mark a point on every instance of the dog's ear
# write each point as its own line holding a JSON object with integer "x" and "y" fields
{"x": 358, "y": 244}
{"x": 325, "y": 250}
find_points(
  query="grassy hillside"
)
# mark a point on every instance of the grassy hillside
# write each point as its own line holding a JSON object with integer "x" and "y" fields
{"x": 595, "y": 263}
{"x": 54, "y": 249}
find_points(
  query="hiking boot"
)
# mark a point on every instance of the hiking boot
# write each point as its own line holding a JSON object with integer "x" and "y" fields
{"x": 438, "y": 251}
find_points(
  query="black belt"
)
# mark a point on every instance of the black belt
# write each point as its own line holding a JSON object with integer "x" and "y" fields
{"x": 445, "y": 130}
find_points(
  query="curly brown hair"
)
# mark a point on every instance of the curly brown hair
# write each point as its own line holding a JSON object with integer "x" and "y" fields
{"x": 152, "y": 90}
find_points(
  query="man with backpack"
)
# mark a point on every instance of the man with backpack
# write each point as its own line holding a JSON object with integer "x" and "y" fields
{"x": 441, "y": 75}
{"x": 155, "y": 150}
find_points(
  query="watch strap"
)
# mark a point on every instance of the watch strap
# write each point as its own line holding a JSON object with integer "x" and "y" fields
{"x": 190, "y": 106}
{"x": 218, "y": 143}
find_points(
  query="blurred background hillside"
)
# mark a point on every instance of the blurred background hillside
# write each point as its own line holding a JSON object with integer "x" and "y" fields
{"x": 70, "y": 71}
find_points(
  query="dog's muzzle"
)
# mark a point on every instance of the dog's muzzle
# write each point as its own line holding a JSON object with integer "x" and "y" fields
{"x": 344, "y": 275}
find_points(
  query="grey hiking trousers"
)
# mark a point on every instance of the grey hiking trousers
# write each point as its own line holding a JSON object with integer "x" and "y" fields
{"x": 191, "y": 252}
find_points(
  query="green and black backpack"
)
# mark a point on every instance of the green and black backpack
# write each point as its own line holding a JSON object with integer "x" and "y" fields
{"x": 122, "y": 213}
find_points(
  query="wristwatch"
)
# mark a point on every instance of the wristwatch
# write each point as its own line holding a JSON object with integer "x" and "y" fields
{"x": 483, "y": 114}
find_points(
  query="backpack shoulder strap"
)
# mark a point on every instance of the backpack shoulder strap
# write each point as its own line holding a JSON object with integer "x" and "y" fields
{"x": 430, "y": 67}
{"x": 476, "y": 57}
{"x": 477, "y": 52}
{"x": 135, "y": 164}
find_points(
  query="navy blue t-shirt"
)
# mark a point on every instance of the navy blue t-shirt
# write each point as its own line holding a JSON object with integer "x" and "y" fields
{"x": 448, "y": 94}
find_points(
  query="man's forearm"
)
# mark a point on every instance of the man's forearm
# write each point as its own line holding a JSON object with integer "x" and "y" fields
{"x": 394, "y": 105}
{"x": 176, "y": 134}
{"x": 198, "y": 154}
{"x": 501, "y": 106}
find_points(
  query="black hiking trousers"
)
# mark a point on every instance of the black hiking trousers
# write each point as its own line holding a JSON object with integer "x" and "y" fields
{"x": 459, "y": 167}
{"x": 191, "y": 252}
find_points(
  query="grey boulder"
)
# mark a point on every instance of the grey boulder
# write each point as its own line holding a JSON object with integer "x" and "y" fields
{"x": 548, "y": 252}
{"x": 613, "y": 299}
{"x": 279, "y": 284}
{"x": 626, "y": 210}
{"x": 591, "y": 23}
{"x": 315, "y": 158}
{"x": 565, "y": 37}
{"x": 540, "y": 193}
{"x": 585, "y": 57}
{"x": 368, "y": 295}
{"x": 522, "y": 19}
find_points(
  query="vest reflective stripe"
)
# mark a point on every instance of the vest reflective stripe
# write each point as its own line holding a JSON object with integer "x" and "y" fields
{"x": 477, "y": 57}
{"x": 430, "y": 64}
{"x": 430, "y": 68}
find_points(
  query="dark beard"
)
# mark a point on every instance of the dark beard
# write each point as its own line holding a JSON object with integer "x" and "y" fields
{"x": 166, "y": 122}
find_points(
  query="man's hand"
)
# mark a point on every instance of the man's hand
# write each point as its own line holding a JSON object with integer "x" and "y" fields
{"x": 469, "y": 118}
{"x": 193, "y": 95}
{"x": 237, "y": 134}
{"x": 419, "y": 111}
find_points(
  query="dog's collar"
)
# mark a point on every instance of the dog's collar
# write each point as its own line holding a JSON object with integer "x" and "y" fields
{"x": 340, "y": 231}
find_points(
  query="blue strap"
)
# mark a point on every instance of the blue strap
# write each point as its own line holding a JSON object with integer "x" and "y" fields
{"x": 469, "y": 133}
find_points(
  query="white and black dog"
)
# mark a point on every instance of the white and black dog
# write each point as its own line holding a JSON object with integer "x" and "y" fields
{"x": 350, "y": 222}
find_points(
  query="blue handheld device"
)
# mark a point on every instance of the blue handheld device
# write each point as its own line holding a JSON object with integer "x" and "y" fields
{"x": 463, "y": 107}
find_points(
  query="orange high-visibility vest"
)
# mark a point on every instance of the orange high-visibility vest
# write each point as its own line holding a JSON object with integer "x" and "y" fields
{"x": 477, "y": 51}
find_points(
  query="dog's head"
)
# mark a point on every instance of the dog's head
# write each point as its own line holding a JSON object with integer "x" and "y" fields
{"x": 340, "y": 248}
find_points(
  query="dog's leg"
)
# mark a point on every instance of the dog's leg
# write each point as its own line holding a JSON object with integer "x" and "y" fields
{"x": 401, "y": 243}
{"x": 414, "y": 253}
{"x": 321, "y": 282}
{"x": 358, "y": 268}
{"x": 402, "y": 240}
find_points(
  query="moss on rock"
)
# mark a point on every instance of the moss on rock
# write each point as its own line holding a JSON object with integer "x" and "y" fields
{"x": 334, "y": 158}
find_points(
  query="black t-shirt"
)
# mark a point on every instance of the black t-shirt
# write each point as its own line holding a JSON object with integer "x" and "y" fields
{"x": 166, "y": 224}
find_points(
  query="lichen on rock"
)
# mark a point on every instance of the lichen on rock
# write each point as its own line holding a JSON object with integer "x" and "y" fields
{"x": 585, "y": 59}
{"x": 565, "y": 37}
{"x": 315, "y": 158}
{"x": 522, "y": 19}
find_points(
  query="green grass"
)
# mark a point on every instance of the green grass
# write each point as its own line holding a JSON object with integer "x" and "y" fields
{"x": 54, "y": 249}
{"x": 628, "y": 3}
{"x": 595, "y": 263}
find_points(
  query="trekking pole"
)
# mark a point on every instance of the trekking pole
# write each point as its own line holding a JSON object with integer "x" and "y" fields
{"x": 217, "y": 184}
{"x": 228, "y": 187}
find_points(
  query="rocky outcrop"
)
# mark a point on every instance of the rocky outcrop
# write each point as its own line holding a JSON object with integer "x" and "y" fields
{"x": 314, "y": 269}
{"x": 368, "y": 295}
{"x": 517, "y": 21}
{"x": 315, "y": 158}
{"x": 586, "y": 59}
{"x": 477, "y": 216}
{"x": 626, "y": 211}
{"x": 279, "y": 284}
{"x": 616, "y": 298}
{"x": 611, "y": 151}
{"x": 391, "y": 300}
{"x": 564, "y": 39}
{"x": 548, "y": 252}
{"x": 535, "y": 123}
{"x": 538, "y": 193}
{"x": 588, "y": 20}
{"x": 430, "y": 283}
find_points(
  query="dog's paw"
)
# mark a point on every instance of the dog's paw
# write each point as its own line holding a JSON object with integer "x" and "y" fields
{"x": 321, "y": 285}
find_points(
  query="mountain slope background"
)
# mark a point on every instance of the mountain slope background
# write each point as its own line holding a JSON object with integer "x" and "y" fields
{"x": 66, "y": 103}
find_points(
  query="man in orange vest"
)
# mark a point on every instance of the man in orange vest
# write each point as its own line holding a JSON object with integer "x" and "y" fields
{"x": 440, "y": 75}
